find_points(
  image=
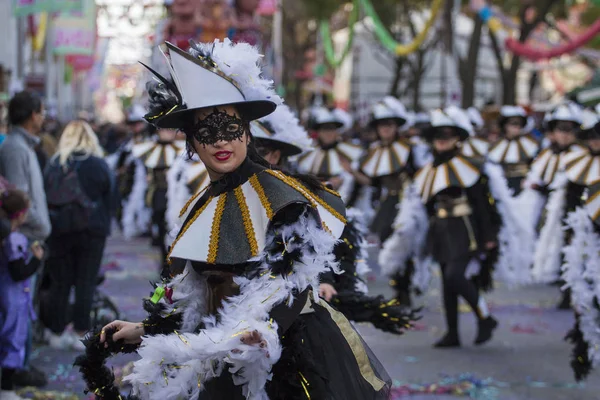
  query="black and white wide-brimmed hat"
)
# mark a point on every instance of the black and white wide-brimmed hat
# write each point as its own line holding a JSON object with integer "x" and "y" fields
{"x": 388, "y": 108}
{"x": 210, "y": 75}
{"x": 281, "y": 130}
{"x": 320, "y": 116}
{"x": 450, "y": 117}
{"x": 567, "y": 112}
{"x": 507, "y": 112}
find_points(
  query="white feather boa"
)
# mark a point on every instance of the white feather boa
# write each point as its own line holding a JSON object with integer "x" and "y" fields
{"x": 581, "y": 272}
{"x": 407, "y": 241}
{"x": 547, "y": 257}
{"x": 516, "y": 238}
{"x": 177, "y": 192}
{"x": 136, "y": 216}
{"x": 177, "y": 365}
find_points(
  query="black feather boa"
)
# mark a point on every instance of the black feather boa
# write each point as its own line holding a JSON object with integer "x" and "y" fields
{"x": 386, "y": 315}
{"x": 98, "y": 377}
{"x": 580, "y": 362}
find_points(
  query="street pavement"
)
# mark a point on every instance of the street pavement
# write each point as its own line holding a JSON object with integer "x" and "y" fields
{"x": 527, "y": 359}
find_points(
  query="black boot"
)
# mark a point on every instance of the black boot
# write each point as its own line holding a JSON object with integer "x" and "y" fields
{"x": 448, "y": 341}
{"x": 565, "y": 302}
{"x": 486, "y": 328}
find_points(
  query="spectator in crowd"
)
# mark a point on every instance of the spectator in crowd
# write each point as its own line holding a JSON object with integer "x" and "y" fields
{"x": 19, "y": 165}
{"x": 19, "y": 260}
{"x": 79, "y": 187}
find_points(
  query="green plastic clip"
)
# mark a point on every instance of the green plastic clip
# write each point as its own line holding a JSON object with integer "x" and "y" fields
{"x": 159, "y": 293}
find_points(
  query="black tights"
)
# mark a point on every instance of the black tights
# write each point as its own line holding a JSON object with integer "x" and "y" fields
{"x": 456, "y": 284}
{"x": 7, "y": 379}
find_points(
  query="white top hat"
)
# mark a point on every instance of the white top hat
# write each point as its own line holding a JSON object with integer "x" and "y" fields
{"x": 215, "y": 74}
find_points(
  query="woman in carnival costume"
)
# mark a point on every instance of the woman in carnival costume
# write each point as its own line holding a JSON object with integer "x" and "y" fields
{"x": 132, "y": 212}
{"x": 331, "y": 157}
{"x": 458, "y": 214}
{"x": 158, "y": 156}
{"x": 243, "y": 320}
{"x": 388, "y": 166}
{"x": 419, "y": 122}
{"x": 548, "y": 181}
{"x": 278, "y": 137}
{"x": 581, "y": 169}
{"x": 515, "y": 151}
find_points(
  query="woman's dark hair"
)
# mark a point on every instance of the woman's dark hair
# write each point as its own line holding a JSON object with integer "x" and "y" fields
{"x": 22, "y": 106}
{"x": 12, "y": 202}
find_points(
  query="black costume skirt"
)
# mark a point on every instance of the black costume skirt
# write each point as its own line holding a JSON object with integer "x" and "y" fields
{"x": 323, "y": 358}
{"x": 383, "y": 222}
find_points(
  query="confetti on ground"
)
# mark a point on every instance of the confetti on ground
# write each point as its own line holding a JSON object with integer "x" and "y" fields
{"x": 528, "y": 329}
{"x": 468, "y": 385}
{"x": 37, "y": 394}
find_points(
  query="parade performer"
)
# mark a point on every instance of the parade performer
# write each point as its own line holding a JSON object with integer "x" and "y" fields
{"x": 388, "y": 166}
{"x": 158, "y": 155}
{"x": 133, "y": 215}
{"x": 243, "y": 320}
{"x": 475, "y": 146}
{"x": 581, "y": 169}
{"x": 332, "y": 157}
{"x": 548, "y": 179}
{"x": 516, "y": 149}
{"x": 279, "y": 136}
{"x": 458, "y": 214}
{"x": 581, "y": 273}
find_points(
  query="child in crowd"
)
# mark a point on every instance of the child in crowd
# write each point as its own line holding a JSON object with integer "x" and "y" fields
{"x": 18, "y": 262}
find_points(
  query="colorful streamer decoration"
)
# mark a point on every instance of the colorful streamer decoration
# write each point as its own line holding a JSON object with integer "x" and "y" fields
{"x": 40, "y": 35}
{"x": 531, "y": 53}
{"x": 380, "y": 30}
{"x": 327, "y": 43}
{"x": 388, "y": 41}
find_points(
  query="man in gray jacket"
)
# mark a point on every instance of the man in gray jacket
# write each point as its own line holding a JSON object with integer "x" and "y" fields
{"x": 19, "y": 164}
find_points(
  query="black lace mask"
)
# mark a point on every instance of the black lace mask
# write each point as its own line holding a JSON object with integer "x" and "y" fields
{"x": 215, "y": 127}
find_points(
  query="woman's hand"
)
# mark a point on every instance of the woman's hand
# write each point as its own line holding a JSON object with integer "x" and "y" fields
{"x": 336, "y": 182}
{"x": 252, "y": 339}
{"x": 326, "y": 291}
{"x": 130, "y": 332}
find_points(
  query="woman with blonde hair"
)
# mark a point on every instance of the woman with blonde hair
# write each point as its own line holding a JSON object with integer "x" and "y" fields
{"x": 79, "y": 190}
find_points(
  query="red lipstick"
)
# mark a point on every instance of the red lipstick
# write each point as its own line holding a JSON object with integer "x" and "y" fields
{"x": 223, "y": 155}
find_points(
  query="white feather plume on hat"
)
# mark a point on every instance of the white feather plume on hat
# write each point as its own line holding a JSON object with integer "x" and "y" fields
{"x": 287, "y": 129}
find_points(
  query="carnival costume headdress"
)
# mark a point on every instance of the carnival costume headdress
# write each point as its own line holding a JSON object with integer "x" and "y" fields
{"x": 389, "y": 108}
{"x": 590, "y": 125}
{"x": 210, "y": 75}
{"x": 283, "y": 131}
{"x": 450, "y": 117}
{"x": 507, "y": 112}
{"x": 567, "y": 112}
{"x": 320, "y": 116}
